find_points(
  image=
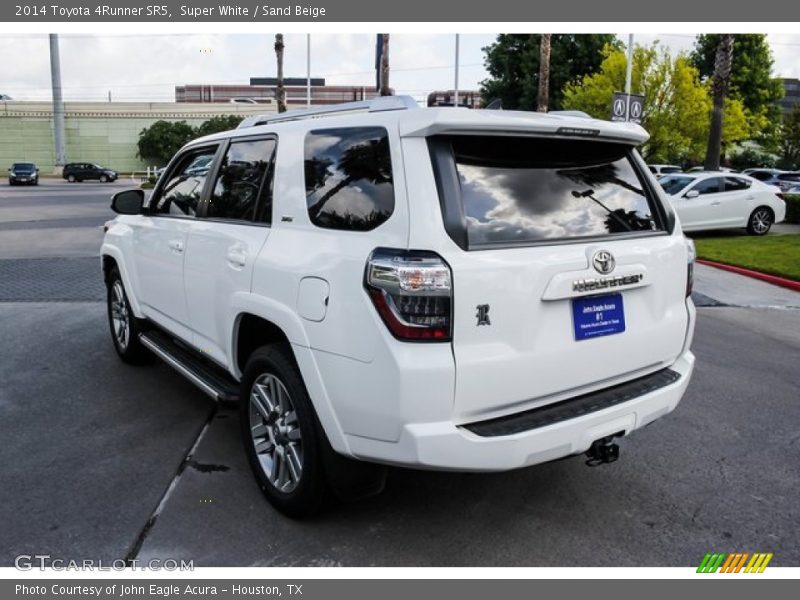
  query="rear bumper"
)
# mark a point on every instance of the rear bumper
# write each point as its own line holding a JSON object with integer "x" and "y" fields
{"x": 446, "y": 446}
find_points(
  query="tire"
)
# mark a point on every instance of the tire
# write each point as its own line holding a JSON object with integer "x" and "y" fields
{"x": 125, "y": 327}
{"x": 71, "y": 178}
{"x": 103, "y": 179}
{"x": 760, "y": 221}
{"x": 283, "y": 439}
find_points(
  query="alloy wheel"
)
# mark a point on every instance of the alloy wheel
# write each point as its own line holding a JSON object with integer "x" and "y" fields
{"x": 120, "y": 317}
{"x": 276, "y": 433}
{"x": 761, "y": 221}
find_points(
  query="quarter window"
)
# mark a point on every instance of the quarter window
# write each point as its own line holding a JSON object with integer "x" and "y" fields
{"x": 181, "y": 193}
{"x": 243, "y": 180}
{"x": 348, "y": 175}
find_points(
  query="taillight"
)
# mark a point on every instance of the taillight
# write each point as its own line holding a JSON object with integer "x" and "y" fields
{"x": 412, "y": 292}
{"x": 691, "y": 255}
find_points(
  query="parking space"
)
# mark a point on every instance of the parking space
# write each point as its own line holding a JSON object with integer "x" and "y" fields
{"x": 108, "y": 461}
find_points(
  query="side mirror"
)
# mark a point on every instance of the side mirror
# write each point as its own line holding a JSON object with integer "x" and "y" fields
{"x": 128, "y": 202}
{"x": 691, "y": 194}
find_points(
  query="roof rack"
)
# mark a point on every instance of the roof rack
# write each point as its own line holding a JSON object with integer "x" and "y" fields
{"x": 379, "y": 104}
{"x": 570, "y": 113}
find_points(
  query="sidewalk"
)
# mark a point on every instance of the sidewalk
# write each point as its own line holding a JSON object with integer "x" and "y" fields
{"x": 736, "y": 290}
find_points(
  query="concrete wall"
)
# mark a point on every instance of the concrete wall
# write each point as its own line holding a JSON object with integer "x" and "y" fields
{"x": 102, "y": 132}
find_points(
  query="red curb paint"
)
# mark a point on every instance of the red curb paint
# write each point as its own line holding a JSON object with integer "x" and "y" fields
{"x": 773, "y": 279}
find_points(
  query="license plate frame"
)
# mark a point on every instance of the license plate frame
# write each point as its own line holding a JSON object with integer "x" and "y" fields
{"x": 598, "y": 316}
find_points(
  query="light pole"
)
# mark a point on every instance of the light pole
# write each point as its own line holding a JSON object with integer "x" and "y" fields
{"x": 455, "y": 95}
{"x": 58, "y": 104}
{"x": 628, "y": 76}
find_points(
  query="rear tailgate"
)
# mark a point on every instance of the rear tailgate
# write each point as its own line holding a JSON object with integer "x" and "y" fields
{"x": 565, "y": 276}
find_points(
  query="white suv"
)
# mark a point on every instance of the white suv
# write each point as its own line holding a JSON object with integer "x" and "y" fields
{"x": 377, "y": 283}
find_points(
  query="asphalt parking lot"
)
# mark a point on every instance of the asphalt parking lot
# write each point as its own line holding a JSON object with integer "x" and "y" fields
{"x": 102, "y": 460}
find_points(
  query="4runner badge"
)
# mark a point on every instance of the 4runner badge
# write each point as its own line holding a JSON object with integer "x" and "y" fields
{"x": 483, "y": 314}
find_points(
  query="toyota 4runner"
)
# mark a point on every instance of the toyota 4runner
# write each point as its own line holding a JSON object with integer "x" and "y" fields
{"x": 381, "y": 284}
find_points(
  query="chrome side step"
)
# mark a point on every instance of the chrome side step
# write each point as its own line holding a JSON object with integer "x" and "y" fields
{"x": 209, "y": 378}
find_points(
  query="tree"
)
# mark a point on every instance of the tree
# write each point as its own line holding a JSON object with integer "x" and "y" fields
{"x": 513, "y": 66}
{"x": 544, "y": 73}
{"x": 384, "y": 66}
{"x": 751, "y": 81}
{"x": 217, "y": 124}
{"x": 719, "y": 86}
{"x": 280, "y": 90}
{"x": 790, "y": 140}
{"x": 163, "y": 139}
{"x": 677, "y": 104}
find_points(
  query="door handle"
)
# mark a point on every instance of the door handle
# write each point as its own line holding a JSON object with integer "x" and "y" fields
{"x": 715, "y": 203}
{"x": 176, "y": 246}
{"x": 237, "y": 258}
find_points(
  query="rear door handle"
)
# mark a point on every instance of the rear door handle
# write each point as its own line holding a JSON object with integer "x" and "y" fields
{"x": 237, "y": 258}
{"x": 715, "y": 203}
{"x": 176, "y": 246}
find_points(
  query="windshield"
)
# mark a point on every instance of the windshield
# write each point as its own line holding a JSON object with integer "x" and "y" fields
{"x": 519, "y": 189}
{"x": 23, "y": 166}
{"x": 673, "y": 184}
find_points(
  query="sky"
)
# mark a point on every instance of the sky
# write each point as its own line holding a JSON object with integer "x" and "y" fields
{"x": 142, "y": 67}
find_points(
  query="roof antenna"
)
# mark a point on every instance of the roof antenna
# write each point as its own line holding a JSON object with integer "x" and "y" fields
{"x": 496, "y": 104}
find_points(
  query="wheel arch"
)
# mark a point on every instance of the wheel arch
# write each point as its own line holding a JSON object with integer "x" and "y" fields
{"x": 111, "y": 257}
{"x": 255, "y": 328}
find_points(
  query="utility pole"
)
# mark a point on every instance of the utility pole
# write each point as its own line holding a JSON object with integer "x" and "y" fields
{"x": 455, "y": 95}
{"x": 58, "y": 104}
{"x": 628, "y": 76}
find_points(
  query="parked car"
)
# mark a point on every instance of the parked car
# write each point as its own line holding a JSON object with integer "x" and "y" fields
{"x": 659, "y": 170}
{"x": 703, "y": 170}
{"x": 722, "y": 201}
{"x": 782, "y": 179}
{"x": 377, "y": 283}
{"x": 83, "y": 171}
{"x": 23, "y": 172}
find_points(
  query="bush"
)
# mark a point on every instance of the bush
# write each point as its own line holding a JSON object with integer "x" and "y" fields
{"x": 793, "y": 208}
{"x": 752, "y": 158}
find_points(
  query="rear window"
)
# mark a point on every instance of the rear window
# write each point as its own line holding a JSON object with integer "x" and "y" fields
{"x": 528, "y": 190}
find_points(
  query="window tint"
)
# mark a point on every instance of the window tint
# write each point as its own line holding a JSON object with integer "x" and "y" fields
{"x": 516, "y": 189}
{"x": 735, "y": 184}
{"x": 708, "y": 186}
{"x": 241, "y": 180}
{"x": 348, "y": 176}
{"x": 181, "y": 193}
{"x": 760, "y": 175}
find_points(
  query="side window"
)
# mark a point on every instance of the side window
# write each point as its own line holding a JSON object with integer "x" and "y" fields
{"x": 760, "y": 175}
{"x": 184, "y": 184}
{"x": 735, "y": 184}
{"x": 243, "y": 180}
{"x": 708, "y": 186}
{"x": 348, "y": 174}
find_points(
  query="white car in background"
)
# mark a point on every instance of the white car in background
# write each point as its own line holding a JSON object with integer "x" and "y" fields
{"x": 718, "y": 200}
{"x": 661, "y": 170}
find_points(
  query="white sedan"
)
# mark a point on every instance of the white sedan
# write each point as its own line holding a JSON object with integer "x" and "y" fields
{"x": 718, "y": 200}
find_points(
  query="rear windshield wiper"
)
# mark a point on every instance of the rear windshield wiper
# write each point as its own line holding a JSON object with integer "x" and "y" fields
{"x": 590, "y": 194}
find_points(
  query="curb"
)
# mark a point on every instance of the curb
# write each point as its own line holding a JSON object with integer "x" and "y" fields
{"x": 773, "y": 279}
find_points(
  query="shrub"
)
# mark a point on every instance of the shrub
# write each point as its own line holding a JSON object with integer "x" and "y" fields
{"x": 792, "y": 208}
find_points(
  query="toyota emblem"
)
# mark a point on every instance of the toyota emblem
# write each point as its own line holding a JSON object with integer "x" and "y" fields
{"x": 603, "y": 262}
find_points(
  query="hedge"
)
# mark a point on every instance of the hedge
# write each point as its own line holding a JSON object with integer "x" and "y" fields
{"x": 792, "y": 208}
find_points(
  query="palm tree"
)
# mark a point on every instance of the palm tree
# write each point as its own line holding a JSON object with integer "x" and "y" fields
{"x": 544, "y": 73}
{"x": 385, "y": 89}
{"x": 280, "y": 91}
{"x": 721, "y": 83}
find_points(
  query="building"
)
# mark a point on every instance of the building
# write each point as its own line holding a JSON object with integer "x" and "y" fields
{"x": 263, "y": 89}
{"x": 102, "y": 132}
{"x": 791, "y": 95}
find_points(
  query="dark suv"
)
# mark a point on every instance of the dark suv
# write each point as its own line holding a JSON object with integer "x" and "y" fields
{"x": 23, "y": 172}
{"x": 80, "y": 171}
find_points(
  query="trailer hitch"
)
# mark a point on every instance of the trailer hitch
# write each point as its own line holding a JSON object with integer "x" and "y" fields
{"x": 603, "y": 451}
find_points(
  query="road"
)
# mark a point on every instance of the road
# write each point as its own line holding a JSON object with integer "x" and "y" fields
{"x": 96, "y": 455}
